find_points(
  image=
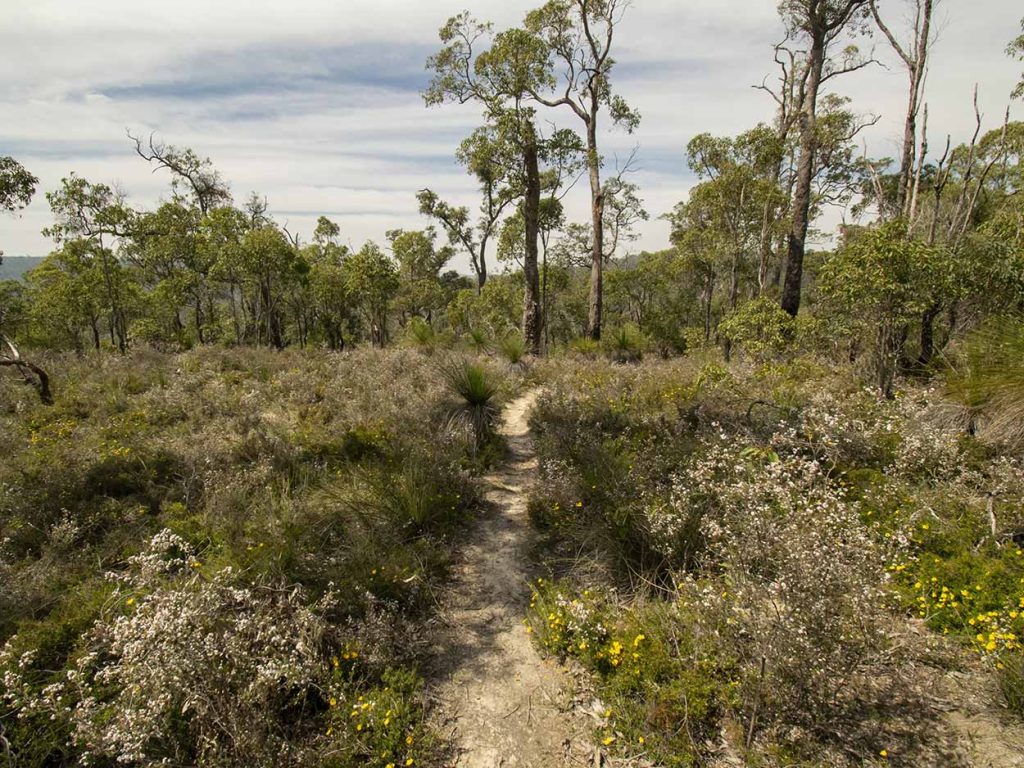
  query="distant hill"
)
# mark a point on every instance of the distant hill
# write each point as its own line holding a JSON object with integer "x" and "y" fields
{"x": 14, "y": 267}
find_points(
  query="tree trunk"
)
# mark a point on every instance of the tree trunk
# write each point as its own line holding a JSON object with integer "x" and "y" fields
{"x": 885, "y": 362}
{"x": 791, "y": 287}
{"x": 927, "y": 351}
{"x": 597, "y": 225}
{"x": 734, "y": 294}
{"x": 709, "y": 294}
{"x": 531, "y": 276}
{"x": 199, "y": 321}
{"x": 481, "y": 273}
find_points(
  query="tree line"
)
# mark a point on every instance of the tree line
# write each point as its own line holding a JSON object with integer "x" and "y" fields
{"x": 936, "y": 248}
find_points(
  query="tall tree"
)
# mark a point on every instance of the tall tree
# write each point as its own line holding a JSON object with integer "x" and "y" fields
{"x": 196, "y": 174}
{"x": 372, "y": 278}
{"x": 914, "y": 56}
{"x": 486, "y": 157}
{"x": 1016, "y": 49}
{"x": 420, "y": 263}
{"x": 501, "y": 79}
{"x": 17, "y": 186}
{"x": 97, "y": 213}
{"x": 819, "y": 24}
{"x": 579, "y": 35}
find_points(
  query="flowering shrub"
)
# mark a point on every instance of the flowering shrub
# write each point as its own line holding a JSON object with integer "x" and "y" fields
{"x": 662, "y": 688}
{"x": 292, "y": 505}
{"x": 781, "y": 517}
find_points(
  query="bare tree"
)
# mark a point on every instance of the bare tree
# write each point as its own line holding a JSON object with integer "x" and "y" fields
{"x": 915, "y": 58}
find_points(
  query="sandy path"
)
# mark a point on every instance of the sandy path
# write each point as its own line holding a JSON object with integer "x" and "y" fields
{"x": 506, "y": 704}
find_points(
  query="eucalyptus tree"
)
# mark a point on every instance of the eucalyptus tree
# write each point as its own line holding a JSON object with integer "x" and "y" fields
{"x": 501, "y": 78}
{"x": 330, "y": 299}
{"x": 819, "y": 24}
{"x": 168, "y": 248}
{"x": 881, "y": 280}
{"x": 1016, "y": 49}
{"x": 579, "y": 35}
{"x": 97, "y": 213}
{"x": 420, "y": 262}
{"x": 372, "y": 279}
{"x": 66, "y": 296}
{"x": 269, "y": 264}
{"x": 223, "y": 231}
{"x": 914, "y": 56}
{"x": 17, "y": 187}
{"x": 191, "y": 174}
{"x": 487, "y": 158}
{"x": 727, "y": 210}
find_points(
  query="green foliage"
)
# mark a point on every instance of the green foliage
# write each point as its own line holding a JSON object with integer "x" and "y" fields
{"x": 664, "y": 693}
{"x": 881, "y": 281}
{"x": 512, "y": 347}
{"x": 17, "y": 186}
{"x": 382, "y": 726}
{"x": 1016, "y": 49}
{"x": 477, "y": 390}
{"x": 760, "y": 327}
{"x": 373, "y": 278}
{"x": 988, "y": 380}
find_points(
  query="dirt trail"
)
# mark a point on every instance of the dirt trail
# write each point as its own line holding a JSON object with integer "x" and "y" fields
{"x": 505, "y": 705}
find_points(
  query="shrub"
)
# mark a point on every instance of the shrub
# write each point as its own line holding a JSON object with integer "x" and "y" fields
{"x": 476, "y": 407}
{"x": 625, "y": 344}
{"x": 662, "y": 688}
{"x": 513, "y": 348}
{"x": 761, "y": 328}
{"x": 194, "y": 669}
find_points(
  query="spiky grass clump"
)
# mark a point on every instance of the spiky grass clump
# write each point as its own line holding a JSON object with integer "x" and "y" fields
{"x": 477, "y": 340}
{"x": 475, "y": 406}
{"x": 625, "y": 344}
{"x": 989, "y": 382}
{"x": 513, "y": 348}
{"x": 421, "y": 335}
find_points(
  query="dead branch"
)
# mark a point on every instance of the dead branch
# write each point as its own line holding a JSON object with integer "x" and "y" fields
{"x": 34, "y": 376}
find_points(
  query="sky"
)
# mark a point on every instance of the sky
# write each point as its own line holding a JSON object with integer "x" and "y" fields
{"x": 316, "y": 104}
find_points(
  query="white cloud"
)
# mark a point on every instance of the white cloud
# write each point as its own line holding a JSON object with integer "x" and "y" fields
{"x": 315, "y": 103}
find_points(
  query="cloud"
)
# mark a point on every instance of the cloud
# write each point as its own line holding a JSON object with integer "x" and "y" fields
{"x": 316, "y": 104}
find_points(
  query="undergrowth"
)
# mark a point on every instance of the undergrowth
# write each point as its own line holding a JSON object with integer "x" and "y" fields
{"x": 225, "y": 557}
{"x": 771, "y": 531}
